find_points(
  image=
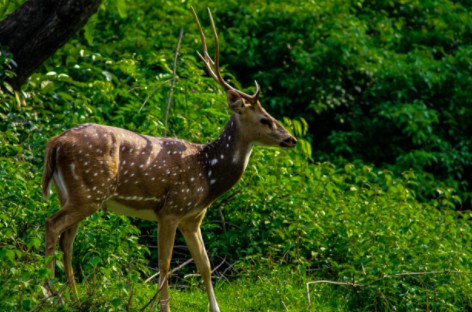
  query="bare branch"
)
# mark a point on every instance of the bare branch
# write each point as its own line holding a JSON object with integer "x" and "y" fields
{"x": 427, "y": 273}
{"x": 174, "y": 73}
{"x": 385, "y": 276}
{"x": 173, "y": 271}
{"x": 219, "y": 265}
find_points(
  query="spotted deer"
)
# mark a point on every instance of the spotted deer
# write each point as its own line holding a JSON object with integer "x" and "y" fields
{"x": 167, "y": 180}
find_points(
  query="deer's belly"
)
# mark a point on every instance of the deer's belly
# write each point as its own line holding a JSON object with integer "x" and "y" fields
{"x": 123, "y": 209}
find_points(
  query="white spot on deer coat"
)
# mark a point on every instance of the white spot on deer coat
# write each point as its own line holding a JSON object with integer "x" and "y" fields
{"x": 72, "y": 169}
{"x": 236, "y": 157}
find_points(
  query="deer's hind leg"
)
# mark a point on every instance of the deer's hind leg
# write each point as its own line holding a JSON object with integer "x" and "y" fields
{"x": 66, "y": 242}
{"x": 64, "y": 223}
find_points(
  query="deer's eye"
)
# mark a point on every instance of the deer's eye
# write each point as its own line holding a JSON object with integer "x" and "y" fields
{"x": 266, "y": 122}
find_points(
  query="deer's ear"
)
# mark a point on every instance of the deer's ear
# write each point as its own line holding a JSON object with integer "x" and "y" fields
{"x": 236, "y": 102}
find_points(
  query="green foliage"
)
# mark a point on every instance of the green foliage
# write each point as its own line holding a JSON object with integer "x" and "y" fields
{"x": 352, "y": 224}
{"x": 7, "y": 65}
{"x": 383, "y": 82}
{"x": 389, "y": 80}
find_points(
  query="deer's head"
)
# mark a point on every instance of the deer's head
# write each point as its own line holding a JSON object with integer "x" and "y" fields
{"x": 258, "y": 125}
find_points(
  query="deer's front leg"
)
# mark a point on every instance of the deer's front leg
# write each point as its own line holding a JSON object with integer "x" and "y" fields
{"x": 193, "y": 237}
{"x": 166, "y": 237}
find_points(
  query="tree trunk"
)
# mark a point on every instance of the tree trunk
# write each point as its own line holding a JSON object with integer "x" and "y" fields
{"x": 38, "y": 28}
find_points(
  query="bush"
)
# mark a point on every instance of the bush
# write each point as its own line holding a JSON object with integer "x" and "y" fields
{"x": 355, "y": 224}
{"x": 387, "y": 83}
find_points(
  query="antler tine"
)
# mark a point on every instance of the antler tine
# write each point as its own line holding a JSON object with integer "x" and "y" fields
{"x": 216, "y": 61}
{"x": 205, "y": 57}
{"x": 211, "y": 64}
{"x": 250, "y": 98}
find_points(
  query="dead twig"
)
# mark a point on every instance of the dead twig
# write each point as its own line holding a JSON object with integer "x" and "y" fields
{"x": 230, "y": 266}
{"x": 285, "y": 306}
{"x": 153, "y": 299}
{"x": 427, "y": 273}
{"x": 219, "y": 265}
{"x": 174, "y": 73}
{"x": 385, "y": 276}
{"x": 173, "y": 271}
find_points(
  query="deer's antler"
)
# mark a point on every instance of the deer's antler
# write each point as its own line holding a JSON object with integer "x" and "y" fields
{"x": 213, "y": 66}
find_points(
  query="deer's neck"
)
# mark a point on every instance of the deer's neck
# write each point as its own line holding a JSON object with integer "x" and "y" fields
{"x": 226, "y": 158}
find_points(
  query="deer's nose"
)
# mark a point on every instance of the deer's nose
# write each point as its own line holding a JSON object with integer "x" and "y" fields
{"x": 289, "y": 142}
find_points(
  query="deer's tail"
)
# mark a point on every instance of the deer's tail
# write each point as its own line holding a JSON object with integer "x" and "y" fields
{"x": 49, "y": 167}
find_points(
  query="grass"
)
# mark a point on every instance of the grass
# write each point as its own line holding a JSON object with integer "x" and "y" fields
{"x": 275, "y": 291}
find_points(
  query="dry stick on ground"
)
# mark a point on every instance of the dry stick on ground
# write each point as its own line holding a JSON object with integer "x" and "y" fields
{"x": 153, "y": 299}
{"x": 285, "y": 306}
{"x": 173, "y": 271}
{"x": 427, "y": 273}
{"x": 174, "y": 72}
{"x": 212, "y": 271}
{"x": 388, "y": 275}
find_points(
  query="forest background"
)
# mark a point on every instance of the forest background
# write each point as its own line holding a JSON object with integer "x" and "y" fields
{"x": 376, "y": 197}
